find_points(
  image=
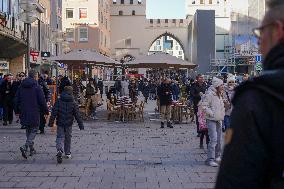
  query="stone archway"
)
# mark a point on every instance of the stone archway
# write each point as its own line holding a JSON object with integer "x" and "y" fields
{"x": 167, "y": 45}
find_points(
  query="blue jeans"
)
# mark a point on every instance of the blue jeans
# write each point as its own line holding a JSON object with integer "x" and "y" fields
{"x": 215, "y": 136}
{"x": 64, "y": 135}
{"x": 227, "y": 122}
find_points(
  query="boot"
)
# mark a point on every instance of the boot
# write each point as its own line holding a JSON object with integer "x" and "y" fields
{"x": 162, "y": 125}
{"x": 59, "y": 156}
{"x": 32, "y": 151}
{"x": 169, "y": 124}
{"x": 24, "y": 151}
{"x": 201, "y": 146}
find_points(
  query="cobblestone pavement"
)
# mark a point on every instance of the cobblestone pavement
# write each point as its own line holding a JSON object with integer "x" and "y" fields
{"x": 107, "y": 155}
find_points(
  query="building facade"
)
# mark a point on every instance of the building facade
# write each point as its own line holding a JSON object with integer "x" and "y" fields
{"x": 13, "y": 34}
{"x": 87, "y": 24}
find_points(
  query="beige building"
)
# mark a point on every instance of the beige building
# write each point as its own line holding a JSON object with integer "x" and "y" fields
{"x": 87, "y": 24}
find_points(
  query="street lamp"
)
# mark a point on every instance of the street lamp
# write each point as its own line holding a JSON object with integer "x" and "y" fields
{"x": 28, "y": 16}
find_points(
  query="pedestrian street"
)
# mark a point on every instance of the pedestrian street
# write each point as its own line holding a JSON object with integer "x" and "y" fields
{"x": 109, "y": 154}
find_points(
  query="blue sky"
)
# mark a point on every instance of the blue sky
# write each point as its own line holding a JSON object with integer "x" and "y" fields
{"x": 165, "y": 9}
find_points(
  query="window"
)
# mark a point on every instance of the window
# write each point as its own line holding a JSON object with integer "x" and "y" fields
{"x": 159, "y": 48}
{"x": 193, "y": 2}
{"x": 131, "y": 2}
{"x": 166, "y": 21}
{"x": 181, "y": 20}
{"x": 114, "y": 2}
{"x": 158, "y": 21}
{"x": 69, "y": 13}
{"x": 120, "y": 13}
{"x": 121, "y": 1}
{"x": 128, "y": 43}
{"x": 158, "y": 42}
{"x": 133, "y": 12}
{"x": 177, "y": 48}
{"x": 174, "y": 20}
{"x": 139, "y": 1}
{"x": 106, "y": 24}
{"x": 180, "y": 52}
{"x": 210, "y": 1}
{"x": 151, "y": 21}
{"x": 83, "y": 34}
{"x": 83, "y": 13}
{"x": 201, "y": 1}
{"x": 70, "y": 32}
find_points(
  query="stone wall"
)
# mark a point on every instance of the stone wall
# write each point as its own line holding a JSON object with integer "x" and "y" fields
{"x": 17, "y": 65}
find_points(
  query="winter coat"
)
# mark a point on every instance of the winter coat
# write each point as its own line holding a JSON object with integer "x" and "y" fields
{"x": 228, "y": 96}
{"x": 101, "y": 86}
{"x": 254, "y": 153}
{"x": 196, "y": 89}
{"x": 42, "y": 83}
{"x": 146, "y": 90}
{"x": 165, "y": 94}
{"x": 30, "y": 103}
{"x": 90, "y": 90}
{"x": 64, "y": 111}
{"x": 117, "y": 85}
{"x": 175, "y": 89}
{"x": 213, "y": 105}
{"x": 8, "y": 92}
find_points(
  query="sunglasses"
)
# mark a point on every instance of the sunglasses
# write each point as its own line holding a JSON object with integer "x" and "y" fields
{"x": 21, "y": 76}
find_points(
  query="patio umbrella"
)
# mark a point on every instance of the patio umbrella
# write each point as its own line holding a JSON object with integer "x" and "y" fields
{"x": 159, "y": 60}
{"x": 84, "y": 57}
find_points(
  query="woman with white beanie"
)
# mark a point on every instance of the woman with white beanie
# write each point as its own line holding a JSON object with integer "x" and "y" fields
{"x": 214, "y": 112}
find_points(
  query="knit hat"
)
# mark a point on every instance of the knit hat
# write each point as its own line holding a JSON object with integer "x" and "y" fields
{"x": 231, "y": 78}
{"x": 216, "y": 82}
{"x": 68, "y": 89}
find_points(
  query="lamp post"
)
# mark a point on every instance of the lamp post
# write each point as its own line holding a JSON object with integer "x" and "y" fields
{"x": 28, "y": 17}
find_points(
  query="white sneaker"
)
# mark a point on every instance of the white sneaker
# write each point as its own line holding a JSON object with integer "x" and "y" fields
{"x": 68, "y": 156}
{"x": 211, "y": 163}
{"x": 218, "y": 160}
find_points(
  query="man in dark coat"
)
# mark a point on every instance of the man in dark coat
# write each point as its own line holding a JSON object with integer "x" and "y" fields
{"x": 198, "y": 87}
{"x": 64, "y": 111}
{"x": 101, "y": 87}
{"x": 42, "y": 83}
{"x": 8, "y": 90}
{"x": 146, "y": 91}
{"x": 165, "y": 97}
{"x": 254, "y": 152}
{"x": 29, "y": 103}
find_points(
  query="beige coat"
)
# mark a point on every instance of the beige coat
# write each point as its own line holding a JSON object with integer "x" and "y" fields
{"x": 213, "y": 105}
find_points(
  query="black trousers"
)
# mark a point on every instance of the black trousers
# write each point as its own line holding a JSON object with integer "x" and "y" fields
{"x": 8, "y": 112}
{"x": 195, "y": 107}
{"x": 42, "y": 122}
{"x": 202, "y": 135}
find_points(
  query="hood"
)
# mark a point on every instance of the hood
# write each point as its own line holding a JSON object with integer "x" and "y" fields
{"x": 275, "y": 58}
{"x": 271, "y": 83}
{"x": 28, "y": 83}
{"x": 211, "y": 90}
{"x": 66, "y": 97}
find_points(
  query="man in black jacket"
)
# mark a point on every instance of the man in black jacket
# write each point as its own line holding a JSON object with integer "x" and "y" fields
{"x": 8, "y": 91}
{"x": 254, "y": 152}
{"x": 165, "y": 98}
{"x": 43, "y": 85}
{"x": 198, "y": 87}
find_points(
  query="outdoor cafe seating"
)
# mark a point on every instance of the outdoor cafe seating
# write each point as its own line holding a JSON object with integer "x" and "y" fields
{"x": 123, "y": 109}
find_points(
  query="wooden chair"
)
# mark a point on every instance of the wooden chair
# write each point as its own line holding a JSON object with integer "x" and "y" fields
{"x": 112, "y": 110}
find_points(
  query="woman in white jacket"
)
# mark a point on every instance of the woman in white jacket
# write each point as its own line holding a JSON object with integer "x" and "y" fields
{"x": 214, "y": 113}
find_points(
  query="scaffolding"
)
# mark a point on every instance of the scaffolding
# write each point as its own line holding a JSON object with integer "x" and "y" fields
{"x": 226, "y": 65}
